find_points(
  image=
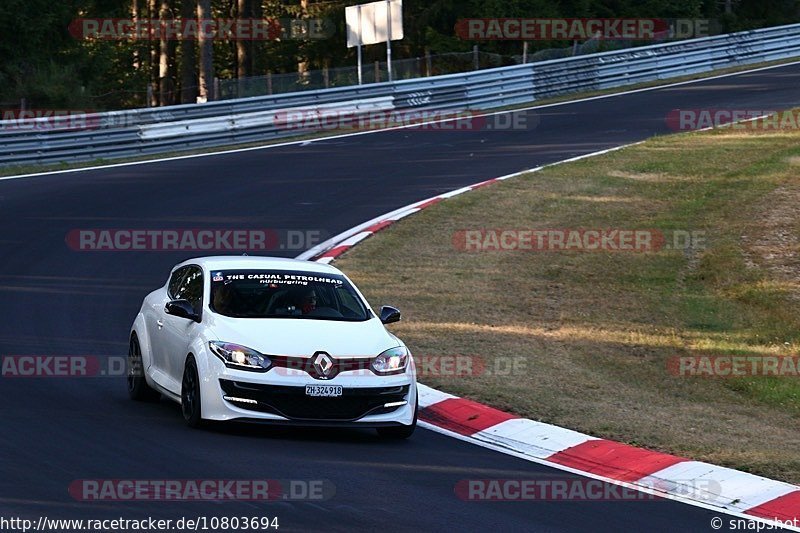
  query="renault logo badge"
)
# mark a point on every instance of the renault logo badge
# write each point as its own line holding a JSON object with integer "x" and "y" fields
{"x": 323, "y": 364}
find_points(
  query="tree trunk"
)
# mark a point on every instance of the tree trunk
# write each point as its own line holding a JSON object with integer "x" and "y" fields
{"x": 257, "y": 46}
{"x": 206, "y": 45}
{"x": 244, "y": 10}
{"x": 166, "y": 63}
{"x": 302, "y": 62}
{"x": 152, "y": 13}
{"x": 135, "y": 19}
{"x": 188, "y": 57}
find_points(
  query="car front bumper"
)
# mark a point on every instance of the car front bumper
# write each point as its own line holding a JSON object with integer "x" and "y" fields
{"x": 367, "y": 400}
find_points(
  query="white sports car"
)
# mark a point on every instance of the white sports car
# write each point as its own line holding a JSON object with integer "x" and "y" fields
{"x": 261, "y": 339}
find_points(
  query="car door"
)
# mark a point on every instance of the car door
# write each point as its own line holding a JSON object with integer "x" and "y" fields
{"x": 154, "y": 321}
{"x": 178, "y": 332}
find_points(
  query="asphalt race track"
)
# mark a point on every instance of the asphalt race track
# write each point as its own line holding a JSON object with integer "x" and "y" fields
{"x": 57, "y": 301}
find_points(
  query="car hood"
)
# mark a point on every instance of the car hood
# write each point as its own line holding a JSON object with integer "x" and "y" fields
{"x": 304, "y": 337}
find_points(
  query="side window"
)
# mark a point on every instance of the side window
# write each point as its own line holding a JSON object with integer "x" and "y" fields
{"x": 175, "y": 282}
{"x": 350, "y": 306}
{"x": 191, "y": 288}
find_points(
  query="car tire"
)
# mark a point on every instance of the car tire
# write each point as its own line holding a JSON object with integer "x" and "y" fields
{"x": 138, "y": 389}
{"x": 191, "y": 402}
{"x": 400, "y": 432}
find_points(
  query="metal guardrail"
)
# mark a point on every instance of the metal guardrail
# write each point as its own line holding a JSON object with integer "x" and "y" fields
{"x": 136, "y": 132}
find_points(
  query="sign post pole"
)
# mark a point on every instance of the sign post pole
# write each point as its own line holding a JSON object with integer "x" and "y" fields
{"x": 360, "y": 42}
{"x": 389, "y": 38}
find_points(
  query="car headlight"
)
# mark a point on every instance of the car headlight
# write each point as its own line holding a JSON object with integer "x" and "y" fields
{"x": 240, "y": 357}
{"x": 392, "y": 361}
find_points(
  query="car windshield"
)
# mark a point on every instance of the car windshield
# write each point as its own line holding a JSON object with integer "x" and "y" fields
{"x": 285, "y": 294}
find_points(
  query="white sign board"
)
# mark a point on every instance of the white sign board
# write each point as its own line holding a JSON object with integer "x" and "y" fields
{"x": 377, "y": 22}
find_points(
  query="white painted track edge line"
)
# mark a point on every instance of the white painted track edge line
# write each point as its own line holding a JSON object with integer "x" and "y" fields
{"x": 339, "y": 239}
{"x": 367, "y": 132}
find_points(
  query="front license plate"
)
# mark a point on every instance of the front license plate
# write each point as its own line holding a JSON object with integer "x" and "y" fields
{"x": 330, "y": 391}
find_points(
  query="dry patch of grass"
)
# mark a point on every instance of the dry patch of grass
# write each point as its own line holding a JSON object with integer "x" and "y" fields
{"x": 594, "y": 332}
{"x": 774, "y": 240}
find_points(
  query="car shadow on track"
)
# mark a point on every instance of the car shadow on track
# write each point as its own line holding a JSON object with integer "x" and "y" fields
{"x": 258, "y": 430}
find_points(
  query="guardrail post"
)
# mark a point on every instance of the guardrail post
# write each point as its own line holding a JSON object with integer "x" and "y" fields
{"x": 269, "y": 82}
{"x": 377, "y": 71}
{"x": 476, "y": 57}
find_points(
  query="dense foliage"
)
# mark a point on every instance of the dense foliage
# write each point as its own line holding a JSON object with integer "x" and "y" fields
{"x": 43, "y": 66}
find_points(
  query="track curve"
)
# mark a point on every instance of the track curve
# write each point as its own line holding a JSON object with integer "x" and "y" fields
{"x": 58, "y": 301}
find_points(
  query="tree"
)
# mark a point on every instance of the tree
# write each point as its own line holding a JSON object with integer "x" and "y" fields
{"x": 302, "y": 61}
{"x": 257, "y": 47}
{"x": 244, "y": 65}
{"x": 49, "y": 63}
{"x": 206, "y": 45}
{"x": 152, "y": 14}
{"x": 166, "y": 61}
{"x": 188, "y": 53}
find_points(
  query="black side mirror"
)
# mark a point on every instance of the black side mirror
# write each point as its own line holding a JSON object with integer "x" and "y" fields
{"x": 182, "y": 309}
{"x": 389, "y": 314}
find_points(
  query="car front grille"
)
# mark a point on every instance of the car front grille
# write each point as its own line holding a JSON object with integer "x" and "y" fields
{"x": 292, "y": 402}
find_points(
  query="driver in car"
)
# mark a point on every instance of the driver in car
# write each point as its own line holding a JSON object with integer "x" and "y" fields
{"x": 223, "y": 295}
{"x": 308, "y": 301}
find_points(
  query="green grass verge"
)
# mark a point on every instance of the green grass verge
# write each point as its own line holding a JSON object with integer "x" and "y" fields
{"x": 597, "y": 331}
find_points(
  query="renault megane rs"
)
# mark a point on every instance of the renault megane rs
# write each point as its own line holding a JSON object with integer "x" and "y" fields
{"x": 280, "y": 341}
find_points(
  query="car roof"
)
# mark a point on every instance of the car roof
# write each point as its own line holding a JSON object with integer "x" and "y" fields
{"x": 244, "y": 262}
